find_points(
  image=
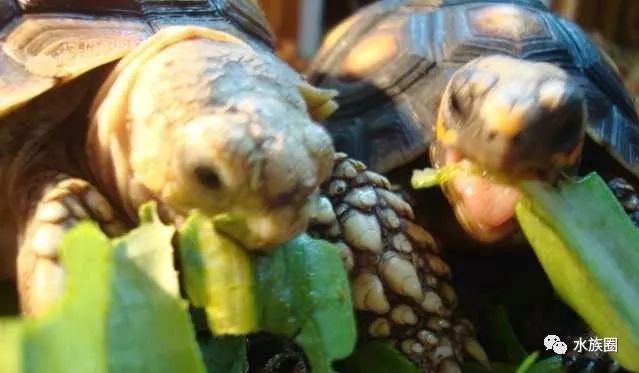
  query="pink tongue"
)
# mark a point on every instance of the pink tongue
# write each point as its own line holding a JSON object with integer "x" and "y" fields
{"x": 485, "y": 203}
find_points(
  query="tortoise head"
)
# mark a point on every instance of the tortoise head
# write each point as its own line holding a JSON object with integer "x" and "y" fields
{"x": 255, "y": 161}
{"x": 202, "y": 121}
{"x": 514, "y": 119}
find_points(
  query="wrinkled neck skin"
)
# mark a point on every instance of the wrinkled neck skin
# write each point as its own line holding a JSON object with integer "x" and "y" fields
{"x": 204, "y": 103}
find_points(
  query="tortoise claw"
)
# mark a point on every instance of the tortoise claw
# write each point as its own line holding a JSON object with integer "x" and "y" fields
{"x": 319, "y": 101}
{"x": 64, "y": 203}
{"x": 476, "y": 351}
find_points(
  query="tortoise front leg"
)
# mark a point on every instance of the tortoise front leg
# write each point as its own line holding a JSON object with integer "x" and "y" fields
{"x": 63, "y": 202}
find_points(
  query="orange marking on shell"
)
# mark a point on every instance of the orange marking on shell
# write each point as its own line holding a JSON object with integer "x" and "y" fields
{"x": 506, "y": 21}
{"x": 370, "y": 53}
{"x": 335, "y": 34}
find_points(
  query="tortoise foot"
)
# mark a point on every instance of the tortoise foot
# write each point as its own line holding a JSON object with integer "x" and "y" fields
{"x": 64, "y": 203}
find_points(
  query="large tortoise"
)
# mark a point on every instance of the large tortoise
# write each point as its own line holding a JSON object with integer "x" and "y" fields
{"x": 198, "y": 114}
{"x": 507, "y": 85}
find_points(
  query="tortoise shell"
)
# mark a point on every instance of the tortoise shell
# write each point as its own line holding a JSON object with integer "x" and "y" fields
{"x": 392, "y": 61}
{"x": 47, "y": 42}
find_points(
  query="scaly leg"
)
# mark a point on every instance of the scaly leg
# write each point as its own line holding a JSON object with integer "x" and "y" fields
{"x": 63, "y": 202}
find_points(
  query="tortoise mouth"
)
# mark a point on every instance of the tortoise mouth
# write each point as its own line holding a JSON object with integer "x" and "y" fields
{"x": 265, "y": 231}
{"x": 484, "y": 206}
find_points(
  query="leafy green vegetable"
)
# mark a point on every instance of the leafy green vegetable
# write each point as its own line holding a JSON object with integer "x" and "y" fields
{"x": 552, "y": 364}
{"x": 430, "y": 177}
{"x": 298, "y": 290}
{"x": 120, "y": 311}
{"x": 590, "y": 251}
{"x": 10, "y": 345}
{"x": 528, "y": 362}
{"x": 304, "y": 292}
{"x": 378, "y": 357}
{"x": 218, "y": 276}
{"x": 502, "y": 331}
{"x": 72, "y": 337}
{"x": 148, "y": 326}
{"x": 224, "y": 354}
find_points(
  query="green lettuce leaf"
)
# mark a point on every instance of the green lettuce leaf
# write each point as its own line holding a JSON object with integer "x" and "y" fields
{"x": 72, "y": 336}
{"x": 224, "y": 354}
{"x": 430, "y": 177}
{"x": 304, "y": 292}
{"x": 589, "y": 249}
{"x": 148, "y": 326}
{"x": 11, "y": 345}
{"x": 120, "y": 311}
{"x": 218, "y": 277}
{"x": 299, "y": 290}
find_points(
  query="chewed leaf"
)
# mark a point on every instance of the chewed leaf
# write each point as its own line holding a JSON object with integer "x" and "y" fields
{"x": 430, "y": 177}
{"x": 218, "y": 276}
{"x": 305, "y": 294}
{"x": 143, "y": 297}
{"x": 71, "y": 337}
{"x": 427, "y": 178}
{"x": 299, "y": 290}
{"x": 119, "y": 299}
{"x": 590, "y": 250}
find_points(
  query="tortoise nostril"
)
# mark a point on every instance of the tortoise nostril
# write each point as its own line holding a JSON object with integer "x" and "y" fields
{"x": 208, "y": 177}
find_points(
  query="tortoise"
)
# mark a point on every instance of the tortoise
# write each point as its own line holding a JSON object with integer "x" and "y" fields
{"x": 105, "y": 105}
{"x": 505, "y": 85}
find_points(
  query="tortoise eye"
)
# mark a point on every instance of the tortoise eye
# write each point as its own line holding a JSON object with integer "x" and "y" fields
{"x": 208, "y": 177}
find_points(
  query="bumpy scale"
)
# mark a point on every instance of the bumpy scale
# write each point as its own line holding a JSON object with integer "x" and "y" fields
{"x": 627, "y": 196}
{"x": 401, "y": 285}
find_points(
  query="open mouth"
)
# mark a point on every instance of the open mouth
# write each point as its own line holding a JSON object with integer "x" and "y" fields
{"x": 484, "y": 204}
